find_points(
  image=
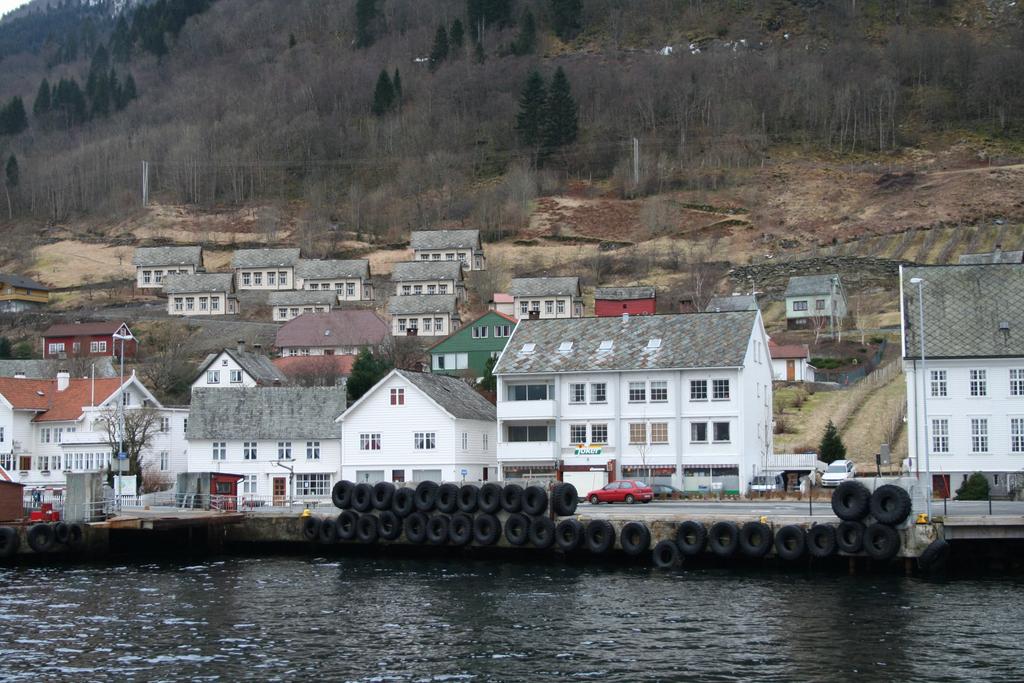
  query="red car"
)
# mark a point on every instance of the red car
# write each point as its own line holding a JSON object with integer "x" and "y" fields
{"x": 628, "y": 491}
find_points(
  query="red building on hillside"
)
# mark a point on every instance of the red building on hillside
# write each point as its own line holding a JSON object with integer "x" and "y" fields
{"x": 75, "y": 340}
{"x": 613, "y": 301}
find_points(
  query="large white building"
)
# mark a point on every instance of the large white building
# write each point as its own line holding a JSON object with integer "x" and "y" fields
{"x": 153, "y": 264}
{"x": 685, "y": 399}
{"x": 283, "y": 441}
{"x": 238, "y": 368}
{"x": 973, "y": 384}
{"x": 49, "y": 427}
{"x": 414, "y": 426}
{"x": 546, "y": 297}
{"x": 428, "y": 277}
{"x": 424, "y": 315}
{"x": 349, "y": 279}
{"x": 200, "y": 294}
{"x": 265, "y": 269}
{"x": 463, "y": 246}
{"x": 815, "y": 301}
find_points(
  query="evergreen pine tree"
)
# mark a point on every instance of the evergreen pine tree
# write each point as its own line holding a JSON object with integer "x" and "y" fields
{"x": 396, "y": 86}
{"x": 128, "y": 90}
{"x": 831, "y": 447}
{"x": 41, "y": 107}
{"x": 367, "y": 370}
{"x": 121, "y": 41}
{"x": 478, "y": 53}
{"x": 489, "y": 382}
{"x": 439, "y": 52}
{"x": 560, "y": 118}
{"x": 526, "y": 41}
{"x": 101, "y": 97}
{"x": 532, "y": 106}
{"x": 5, "y": 347}
{"x": 12, "y": 173}
{"x": 366, "y": 12}
{"x": 974, "y": 488}
{"x": 565, "y": 17}
{"x": 22, "y": 350}
{"x": 291, "y": 40}
{"x": 116, "y": 91}
{"x": 383, "y": 94}
{"x": 456, "y": 37}
{"x": 13, "y": 119}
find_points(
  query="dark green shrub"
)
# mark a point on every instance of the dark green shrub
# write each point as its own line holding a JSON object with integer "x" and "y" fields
{"x": 975, "y": 488}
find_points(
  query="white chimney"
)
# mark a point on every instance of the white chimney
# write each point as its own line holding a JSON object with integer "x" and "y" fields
{"x": 241, "y": 346}
{"x": 625, "y": 317}
{"x": 20, "y": 374}
{"x": 63, "y": 380}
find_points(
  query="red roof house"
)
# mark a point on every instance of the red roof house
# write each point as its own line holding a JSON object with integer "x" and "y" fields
{"x": 73, "y": 340}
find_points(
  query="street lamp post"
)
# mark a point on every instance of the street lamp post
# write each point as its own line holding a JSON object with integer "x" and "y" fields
{"x": 924, "y": 395}
{"x": 120, "y": 417}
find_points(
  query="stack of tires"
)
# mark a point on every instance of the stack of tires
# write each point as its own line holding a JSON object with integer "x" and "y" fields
{"x": 43, "y": 537}
{"x": 888, "y": 506}
{"x": 443, "y": 514}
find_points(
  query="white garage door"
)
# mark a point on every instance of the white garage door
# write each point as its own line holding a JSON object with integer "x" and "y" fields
{"x": 585, "y": 481}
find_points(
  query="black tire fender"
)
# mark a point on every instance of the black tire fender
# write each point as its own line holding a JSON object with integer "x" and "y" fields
{"x": 61, "y": 532}
{"x": 542, "y": 532}
{"x": 10, "y": 541}
{"x": 935, "y": 556}
{"x": 600, "y": 536}
{"x": 469, "y": 498}
{"x": 755, "y": 539}
{"x": 486, "y": 529}
{"x": 512, "y": 498}
{"x": 328, "y": 531}
{"x": 564, "y": 500}
{"x": 460, "y": 529}
{"x": 403, "y": 502}
{"x": 724, "y": 538}
{"x": 569, "y": 535}
{"x": 362, "y": 498}
{"x": 850, "y": 537}
{"x": 535, "y": 501}
{"x": 341, "y": 494}
{"x": 635, "y": 538}
{"x": 416, "y": 528}
{"x": 437, "y": 529}
{"x": 346, "y": 525}
{"x": 692, "y": 538}
{"x": 666, "y": 555}
{"x": 425, "y": 496}
{"x": 517, "y": 529}
{"x": 851, "y": 501}
{"x": 311, "y": 528}
{"x": 76, "y": 535}
{"x": 790, "y": 542}
{"x": 367, "y": 529}
{"x": 390, "y": 525}
{"x": 40, "y": 537}
{"x": 447, "y": 498}
{"x": 890, "y": 504}
{"x": 881, "y": 542}
{"x": 383, "y": 492}
{"x": 490, "y": 498}
{"x": 821, "y": 540}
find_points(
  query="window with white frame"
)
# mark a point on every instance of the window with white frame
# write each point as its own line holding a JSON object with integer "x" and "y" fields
{"x": 146, "y": 277}
{"x": 659, "y": 432}
{"x": 549, "y": 307}
{"x": 598, "y": 392}
{"x": 249, "y": 450}
{"x": 480, "y": 331}
{"x": 398, "y": 397}
{"x": 1017, "y": 382}
{"x": 637, "y": 433}
{"x": 800, "y": 305}
{"x": 369, "y": 441}
{"x": 165, "y": 461}
{"x": 98, "y": 347}
{"x": 698, "y": 390}
{"x": 719, "y": 389}
{"x": 699, "y": 432}
{"x": 246, "y": 279}
{"x": 236, "y": 376}
{"x": 578, "y": 433}
{"x": 424, "y": 441}
{"x": 599, "y": 433}
{"x": 577, "y": 393}
{"x": 284, "y": 450}
{"x": 524, "y": 307}
{"x": 257, "y": 279}
{"x": 465, "y": 441}
{"x": 940, "y": 435}
{"x": 486, "y": 441}
{"x": 165, "y": 424}
{"x": 979, "y": 383}
{"x": 637, "y": 392}
{"x": 659, "y": 391}
{"x": 312, "y": 450}
{"x": 312, "y": 484}
{"x": 3, "y": 436}
{"x": 179, "y": 303}
{"x": 721, "y": 432}
{"x": 220, "y": 450}
{"x": 249, "y": 484}
{"x": 57, "y": 347}
{"x": 1017, "y": 434}
{"x": 560, "y": 306}
{"x": 938, "y": 382}
{"x": 979, "y": 435}
{"x": 350, "y": 289}
{"x": 272, "y": 278}
{"x": 282, "y": 278}
{"x": 213, "y": 376}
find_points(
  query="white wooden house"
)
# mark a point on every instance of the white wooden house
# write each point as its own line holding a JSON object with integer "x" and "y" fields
{"x": 238, "y": 368}
{"x": 265, "y": 269}
{"x": 348, "y": 279}
{"x": 424, "y": 315}
{"x": 546, "y": 297}
{"x": 153, "y": 264}
{"x": 201, "y": 294}
{"x": 815, "y": 301}
{"x": 463, "y": 246}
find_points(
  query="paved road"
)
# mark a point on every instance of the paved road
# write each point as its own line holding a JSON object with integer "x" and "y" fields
{"x": 772, "y": 508}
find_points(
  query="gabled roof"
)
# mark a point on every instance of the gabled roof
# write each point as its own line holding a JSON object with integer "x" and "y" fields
{"x": 451, "y": 395}
{"x": 445, "y": 239}
{"x": 168, "y": 256}
{"x": 315, "y": 269}
{"x": 256, "y": 365}
{"x": 467, "y": 329}
{"x": 302, "y": 297}
{"x": 781, "y": 351}
{"x": 41, "y": 396}
{"x": 47, "y": 369}
{"x": 266, "y": 413}
{"x": 997, "y": 256}
{"x": 623, "y": 293}
{"x": 741, "y": 302}
{"x": 408, "y": 271}
{"x": 544, "y": 286}
{"x": 809, "y": 285}
{"x": 696, "y": 340}
{"x": 23, "y": 282}
{"x": 199, "y": 283}
{"x": 264, "y": 258}
{"x": 106, "y": 327}
{"x": 348, "y": 327}
{"x": 417, "y": 304}
{"x": 964, "y": 309}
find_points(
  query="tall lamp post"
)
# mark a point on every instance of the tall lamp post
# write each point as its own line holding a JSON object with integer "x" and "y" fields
{"x": 120, "y": 416}
{"x": 924, "y": 395}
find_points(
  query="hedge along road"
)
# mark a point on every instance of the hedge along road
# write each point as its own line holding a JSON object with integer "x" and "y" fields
{"x": 775, "y": 508}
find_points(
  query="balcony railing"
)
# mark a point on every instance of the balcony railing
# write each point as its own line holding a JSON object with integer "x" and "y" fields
{"x": 519, "y": 410}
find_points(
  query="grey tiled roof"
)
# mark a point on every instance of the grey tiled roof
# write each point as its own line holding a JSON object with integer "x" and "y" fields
{"x": 316, "y": 269}
{"x": 808, "y": 285}
{"x": 264, "y": 258}
{"x": 963, "y": 309}
{"x": 452, "y": 394}
{"x": 266, "y": 413}
{"x": 23, "y": 282}
{"x": 418, "y": 304}
{"x": 168, "y": 256}
{"x": 544, "y": 286}
{"x": 623, "y": 293}
{"x": 47, "y": 369}
{"x": 347, "y": 327}
{"x": 302, "y": 297}
{"x": 198, "y": 283}
{"x": 696, "y": 340}
{"x": 992, "y": 257}
{"x": 407, "y": 271}
{"x": 445, "y": 239}
{"x": 256, "y": 365}
{"x": 743, "y": 302}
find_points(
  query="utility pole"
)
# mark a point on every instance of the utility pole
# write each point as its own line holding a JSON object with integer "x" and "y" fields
{"x": 636, "y": 162}
{"x": 145, "y": 183}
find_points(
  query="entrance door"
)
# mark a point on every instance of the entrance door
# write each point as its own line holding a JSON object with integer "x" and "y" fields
{"x": 790, "y": 370}
{"x": 280, "y": 491}
{"x": 940, "y": 485}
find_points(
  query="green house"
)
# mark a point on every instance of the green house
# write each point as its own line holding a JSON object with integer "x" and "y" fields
{"x": 467, "y": 350}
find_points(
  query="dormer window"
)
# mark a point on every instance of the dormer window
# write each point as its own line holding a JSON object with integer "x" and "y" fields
{"x": 565, "y": 347}
{"x": 529, "y": 347}
{"x": 653, "y": 344}
{"x": 606, "y": 345}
